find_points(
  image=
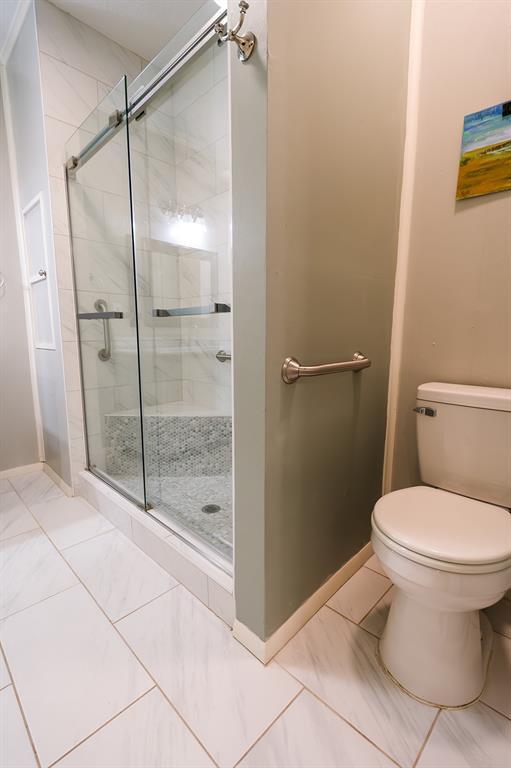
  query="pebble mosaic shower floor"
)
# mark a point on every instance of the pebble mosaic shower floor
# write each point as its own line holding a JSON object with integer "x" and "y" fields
{"x": 188, "y": 468}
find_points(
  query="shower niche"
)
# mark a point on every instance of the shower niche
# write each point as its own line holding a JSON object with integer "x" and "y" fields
{"x": 149, "y": 194}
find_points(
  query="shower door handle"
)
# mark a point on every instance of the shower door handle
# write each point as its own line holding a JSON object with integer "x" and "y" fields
{"x": 206, "y": 309}
{"x": 100, "y": 316}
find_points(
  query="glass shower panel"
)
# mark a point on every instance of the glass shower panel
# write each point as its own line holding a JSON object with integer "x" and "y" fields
{"x": 180, "y": 163}
{"x": 101, "y": 230}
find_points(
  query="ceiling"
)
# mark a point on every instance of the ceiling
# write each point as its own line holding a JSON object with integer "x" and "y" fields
{"x": 143, "y": 26}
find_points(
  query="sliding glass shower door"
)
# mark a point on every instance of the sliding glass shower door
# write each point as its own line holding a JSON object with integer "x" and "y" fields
{"x": 105, "y": 290}
{"x": 150, "y": 206}
{"x": 181, "y": 189}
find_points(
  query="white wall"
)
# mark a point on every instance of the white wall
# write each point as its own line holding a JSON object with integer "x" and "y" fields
{"x": 24, "y": 94}
{"x": 456, "y": 305}
{"x": 18, "y": 436}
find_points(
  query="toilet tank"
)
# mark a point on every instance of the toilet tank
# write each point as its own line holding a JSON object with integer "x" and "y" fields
{"x": 464, "y": 440}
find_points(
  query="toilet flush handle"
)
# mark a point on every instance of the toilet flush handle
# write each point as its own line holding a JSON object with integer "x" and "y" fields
{"x": 424, "y": 410}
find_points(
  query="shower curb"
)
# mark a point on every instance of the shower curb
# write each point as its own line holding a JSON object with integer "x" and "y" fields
{"x": 211, "y": 585}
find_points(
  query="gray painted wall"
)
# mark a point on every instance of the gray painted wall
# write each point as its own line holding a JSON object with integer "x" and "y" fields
{"x": 23, "y": 81}
{"x": 18, "y": 441}
{"x": 336, "y": 110}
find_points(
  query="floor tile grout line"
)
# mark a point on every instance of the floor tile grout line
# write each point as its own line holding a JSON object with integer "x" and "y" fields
{"x": 359, "y": 623}
{"x": 156, "y": 597}
{"x": 374, "y": 570}
{"x": 38, "y": 602}
{"x": 430, "y": 731}
{"x": 268, "y": 727}
{"x": 14, "y": 535}
{"x": 103, "y": 725}
{"x": 24, "y": 533}
{"x": 377, "y": 637}
{"x": 335, "y": 712}
{"x": 91, "y": 538}
{"x": 493, "y": 709}
{"x": 123, "y": 639}
{"x": 181, "y": 717}
{"x": 22, "y": 712}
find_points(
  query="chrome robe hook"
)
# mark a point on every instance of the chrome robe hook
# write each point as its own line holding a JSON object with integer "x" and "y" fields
{"x": 246, "y": 43}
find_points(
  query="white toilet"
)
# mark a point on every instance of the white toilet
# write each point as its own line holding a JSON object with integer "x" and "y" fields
{"x": 448, "y": 551}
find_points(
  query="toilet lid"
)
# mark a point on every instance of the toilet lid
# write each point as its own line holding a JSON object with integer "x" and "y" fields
{"x": 445, "y": 526}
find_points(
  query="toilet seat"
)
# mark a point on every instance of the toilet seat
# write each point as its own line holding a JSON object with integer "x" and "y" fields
{"x": 444, "y": 530}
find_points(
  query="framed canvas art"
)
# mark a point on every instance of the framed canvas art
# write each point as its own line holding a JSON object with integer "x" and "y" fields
{"x": 485, "y": 163}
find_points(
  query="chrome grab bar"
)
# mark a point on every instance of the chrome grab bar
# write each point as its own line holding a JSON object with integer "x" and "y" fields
{"x": 105, "y": 353}
{"x": 207, "y": 309}
{"x": 293, "y": 370}
{"x": 102, "y": 314}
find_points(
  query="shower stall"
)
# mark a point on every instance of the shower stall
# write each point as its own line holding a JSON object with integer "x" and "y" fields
{"x": 149, "y": 194}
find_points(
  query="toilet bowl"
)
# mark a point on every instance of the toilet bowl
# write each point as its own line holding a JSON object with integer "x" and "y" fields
{"x": 448, "y": 555}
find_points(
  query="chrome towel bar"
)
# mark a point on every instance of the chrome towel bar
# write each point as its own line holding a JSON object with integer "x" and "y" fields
{"x": 293, "y": 370}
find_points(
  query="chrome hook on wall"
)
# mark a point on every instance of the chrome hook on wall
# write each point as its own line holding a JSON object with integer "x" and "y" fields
{"x": 246, "y": 43}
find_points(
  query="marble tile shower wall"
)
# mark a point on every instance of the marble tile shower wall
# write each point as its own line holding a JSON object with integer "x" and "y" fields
{"x": 77, "y": 65}
{"x": 187, "y": 265}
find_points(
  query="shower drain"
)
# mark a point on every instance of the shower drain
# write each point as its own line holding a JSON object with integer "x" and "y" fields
{"x": 209, "y": 509}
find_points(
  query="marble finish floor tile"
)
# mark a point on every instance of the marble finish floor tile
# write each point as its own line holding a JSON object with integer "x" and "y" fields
{"x": 497, "y": 693}
{"x": 149, "y": 734}
{"x": 356, "y": 598}
{"x": 30, "y": 570}
{"x": 500, "y": 616}
{"x": 468, "y": 738}
{"x": 226, "y": 696}
{"x": 15, "y": 748}
{"x": 118, "y": 574}
{"x": 35, "y": 487}
{"x": 78, "y": 674}
{"x": 4, "y": 674}
{"x": 14, "y": 516}
{"x": 337, "y": 661}
{"x": 374, "y": 564}
{"x": 5, "y": 486}
{"x": 70, "y": 521}
{"x": 376, "y": 619}
{"x": 309, "y": 735}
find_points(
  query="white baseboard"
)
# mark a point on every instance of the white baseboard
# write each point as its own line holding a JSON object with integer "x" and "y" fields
{"x": 21, "y": 470}
{"x": 57, "y": 480}
{"x": 265, "y": 650}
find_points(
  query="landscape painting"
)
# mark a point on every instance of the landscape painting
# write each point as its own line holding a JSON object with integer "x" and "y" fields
{"x": 485, "y": 163}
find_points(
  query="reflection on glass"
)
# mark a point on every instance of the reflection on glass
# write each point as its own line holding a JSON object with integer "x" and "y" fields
{"x": 181, "y": 188}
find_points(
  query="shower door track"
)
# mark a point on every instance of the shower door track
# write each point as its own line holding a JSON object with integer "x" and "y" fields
{"x": 136, "y": 105}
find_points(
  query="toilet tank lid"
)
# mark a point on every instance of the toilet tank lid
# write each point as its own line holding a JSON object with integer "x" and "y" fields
{"x": 491, "y": 398}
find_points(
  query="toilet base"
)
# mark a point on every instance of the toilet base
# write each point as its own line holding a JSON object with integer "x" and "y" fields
{"x": 440, "y": 658}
